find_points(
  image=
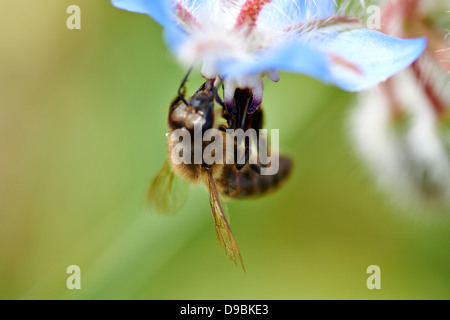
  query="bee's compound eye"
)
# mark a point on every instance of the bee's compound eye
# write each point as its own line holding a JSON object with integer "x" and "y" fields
{"x": 180, "y": 113}
{"x": 194, "y": 119}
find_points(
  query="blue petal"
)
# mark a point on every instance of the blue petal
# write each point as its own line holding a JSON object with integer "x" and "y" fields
{"x": 377, "y": 56}
{"x": 159, "y": 10}
{"x": 294, "y": 57}
{"x": 366, "y": 58}
{"x": 290, "y": 12}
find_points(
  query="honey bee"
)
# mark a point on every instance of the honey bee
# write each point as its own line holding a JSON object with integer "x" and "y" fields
{"x": 224, "y": 181}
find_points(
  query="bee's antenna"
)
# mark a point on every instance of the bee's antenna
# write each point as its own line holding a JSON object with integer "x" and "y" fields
{"x": 180, "y": 94}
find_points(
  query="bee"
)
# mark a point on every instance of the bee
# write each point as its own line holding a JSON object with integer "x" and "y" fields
{"x": 224, "y": 181}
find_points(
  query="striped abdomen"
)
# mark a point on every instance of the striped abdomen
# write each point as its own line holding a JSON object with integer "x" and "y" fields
{"x": 249, "y": 183}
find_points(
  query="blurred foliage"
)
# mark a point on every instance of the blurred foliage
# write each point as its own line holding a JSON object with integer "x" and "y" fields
{"x": 82, "y": 124}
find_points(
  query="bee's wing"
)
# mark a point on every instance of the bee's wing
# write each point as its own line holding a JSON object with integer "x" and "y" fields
{"x": 167, "y": 192}
{"x": 223, "y": 231}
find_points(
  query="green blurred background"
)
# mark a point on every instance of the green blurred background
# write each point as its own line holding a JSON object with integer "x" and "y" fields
{"x": 82, "y": 124}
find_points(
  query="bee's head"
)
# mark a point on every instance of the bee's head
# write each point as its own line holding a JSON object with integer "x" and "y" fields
{"x": 199, "y": 110}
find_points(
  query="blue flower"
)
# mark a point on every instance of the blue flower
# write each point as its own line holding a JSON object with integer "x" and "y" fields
{"x": 241, "y": 41}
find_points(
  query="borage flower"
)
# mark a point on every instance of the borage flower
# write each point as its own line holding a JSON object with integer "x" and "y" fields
{"x": 401, "y": 127}
{"x": 241, "y": 41}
